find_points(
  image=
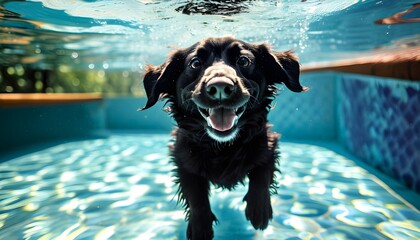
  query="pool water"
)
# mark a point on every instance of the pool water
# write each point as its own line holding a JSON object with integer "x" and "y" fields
{"x": 127, "y": 35}
{"x": 121, "y": 187}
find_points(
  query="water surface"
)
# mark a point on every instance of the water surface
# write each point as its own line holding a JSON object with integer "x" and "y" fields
{"x": 115, "y": 34}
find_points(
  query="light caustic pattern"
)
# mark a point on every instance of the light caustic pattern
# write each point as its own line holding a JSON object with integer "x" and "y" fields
{"x": 122, "y": 188}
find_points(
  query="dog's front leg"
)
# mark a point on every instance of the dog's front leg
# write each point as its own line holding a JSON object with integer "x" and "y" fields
{"x": 194, "y": 191}
{"x": 258, "y": 209}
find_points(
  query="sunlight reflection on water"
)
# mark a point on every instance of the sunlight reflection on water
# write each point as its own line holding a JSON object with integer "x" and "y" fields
{"x": 122, "y": 188}
{"x": 111, "y": 34}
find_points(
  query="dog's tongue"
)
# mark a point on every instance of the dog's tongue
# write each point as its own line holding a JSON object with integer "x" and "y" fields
{"x": 222, "y": 119}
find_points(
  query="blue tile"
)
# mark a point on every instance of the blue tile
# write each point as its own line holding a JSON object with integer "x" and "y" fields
{"x": 379, "y": 122}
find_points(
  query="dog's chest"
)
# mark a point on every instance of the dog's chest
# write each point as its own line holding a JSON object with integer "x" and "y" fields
{"x": 224, "y": 166}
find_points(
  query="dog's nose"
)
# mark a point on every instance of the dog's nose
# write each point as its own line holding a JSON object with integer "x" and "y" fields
{"x": 220, "y": 88}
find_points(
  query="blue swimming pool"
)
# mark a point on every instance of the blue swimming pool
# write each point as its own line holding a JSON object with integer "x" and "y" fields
{"x": 100, "y": 169}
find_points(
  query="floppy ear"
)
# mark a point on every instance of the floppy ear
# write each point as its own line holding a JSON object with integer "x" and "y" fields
{"x": 281, "y": 67}
{"x": 159, "y": 81}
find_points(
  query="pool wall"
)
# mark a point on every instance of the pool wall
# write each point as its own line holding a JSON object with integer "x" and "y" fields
{"x": 28, "y": 126}
{"x": 380, "y": 123}
{"x": 309, "y": 115}
{"x": 375, "y": 118}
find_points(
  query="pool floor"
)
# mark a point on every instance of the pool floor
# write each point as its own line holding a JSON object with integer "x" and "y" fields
{"x": 122, "y": 187}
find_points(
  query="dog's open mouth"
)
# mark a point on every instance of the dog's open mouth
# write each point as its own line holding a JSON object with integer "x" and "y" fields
{"x": 222, "y": 120}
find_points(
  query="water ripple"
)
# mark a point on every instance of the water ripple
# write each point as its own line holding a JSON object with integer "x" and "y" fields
{"x": 105, "y": 34}
{"x": 122, "y": 188}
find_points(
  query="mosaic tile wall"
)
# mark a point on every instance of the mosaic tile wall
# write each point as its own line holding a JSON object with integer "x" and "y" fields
{"x": 380, "y": 123}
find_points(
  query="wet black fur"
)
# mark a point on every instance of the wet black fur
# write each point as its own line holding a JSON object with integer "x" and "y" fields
{"x": 199, "y": 159}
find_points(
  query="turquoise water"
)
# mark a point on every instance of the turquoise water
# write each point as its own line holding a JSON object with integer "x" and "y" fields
{"x": 115, "y": 34}
{"x": 121, "y": 188}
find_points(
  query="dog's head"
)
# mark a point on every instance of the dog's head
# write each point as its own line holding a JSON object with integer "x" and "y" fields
{"x": 219, "y": 80}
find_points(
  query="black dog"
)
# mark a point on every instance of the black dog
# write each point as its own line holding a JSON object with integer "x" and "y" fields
{"x": 219, "y": 92}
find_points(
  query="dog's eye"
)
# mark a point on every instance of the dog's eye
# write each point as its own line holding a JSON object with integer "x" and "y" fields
{"x": 243, "y": 61}
{"x": 195, "y": 63}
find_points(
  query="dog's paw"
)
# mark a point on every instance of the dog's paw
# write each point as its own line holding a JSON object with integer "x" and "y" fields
{"x": 200, "y": 227}
{"x": 196, "y": 232}
{"x": 258, "y": 210}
